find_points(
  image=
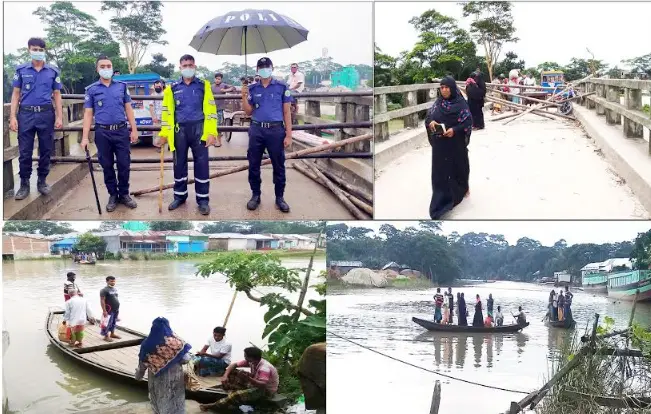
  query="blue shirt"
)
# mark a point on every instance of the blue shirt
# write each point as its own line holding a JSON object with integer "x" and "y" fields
{"x": 36, "y": 87}
{"x": 188, "y": 100}
{"x": 107, "y": 102}
{"x": 268, "y": 102}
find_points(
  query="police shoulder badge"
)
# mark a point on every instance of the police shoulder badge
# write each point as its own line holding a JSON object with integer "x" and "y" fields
{"x": 57, "y": 79}
{"x": 16, "y": 76}
{"x": 28, "y": 86}
{"x": 287, "y": 92}
{"x": 99, "y": 103}
{"x": 87, "y": 98}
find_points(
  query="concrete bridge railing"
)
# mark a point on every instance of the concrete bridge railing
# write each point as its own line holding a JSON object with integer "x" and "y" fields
{"x": 606, "y": 102}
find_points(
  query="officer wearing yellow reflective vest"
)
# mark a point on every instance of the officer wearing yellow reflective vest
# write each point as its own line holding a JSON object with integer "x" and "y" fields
{"x": 189, "y": 121}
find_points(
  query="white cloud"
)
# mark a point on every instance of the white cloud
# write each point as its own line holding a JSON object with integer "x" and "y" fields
{"x": 548, "y": 31}
{"x": 345, "y": 29}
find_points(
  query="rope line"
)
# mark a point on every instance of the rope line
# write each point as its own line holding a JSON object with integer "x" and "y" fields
{"x": 428, "y": 370}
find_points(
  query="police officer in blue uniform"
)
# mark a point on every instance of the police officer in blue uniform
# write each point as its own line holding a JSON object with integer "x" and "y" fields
{"x": 109, "y": 101}
{"x": 268, "y": 101}
{"x": 32, "y": 112}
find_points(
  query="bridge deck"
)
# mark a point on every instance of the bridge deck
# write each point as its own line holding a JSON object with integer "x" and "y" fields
{"x": 228, "y": 194}
{"x": 532, "y": 168}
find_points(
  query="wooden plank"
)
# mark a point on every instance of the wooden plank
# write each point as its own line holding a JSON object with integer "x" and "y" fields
{"x": 10, "y": 153}
{"x": 383, "y": 90}
{"x": 399, "y": 113}
{"x": 635, "y": 116}
{"x": 109, "y": 345}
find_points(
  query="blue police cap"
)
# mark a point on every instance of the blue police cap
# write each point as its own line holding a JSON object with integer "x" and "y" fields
{"x": 264, "y": 62}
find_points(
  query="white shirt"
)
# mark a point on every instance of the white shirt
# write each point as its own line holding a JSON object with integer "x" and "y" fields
{"x": 221, "y": 347}
{"x": 294, "y": 79}
{"x": 530, "y": 81}
{"x": 76, "y": 311}
{"x": 499, "y": 315}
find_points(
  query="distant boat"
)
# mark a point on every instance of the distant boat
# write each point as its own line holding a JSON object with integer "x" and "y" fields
{"x": 87, "y": 262}
{"x": 595, "y": 283}
{"x": 623, "y": 285}
{"x": 439, "y": 327}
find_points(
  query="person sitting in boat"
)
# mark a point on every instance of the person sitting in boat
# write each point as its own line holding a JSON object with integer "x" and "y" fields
{"x": 568, "y": 304}
{"x": 488, "y": 322}
{"x": 163, "y": 355}
{"x": 249, "y": 387}
{"x": 478, "y": 319}
{"x": 217, "y": 359}
{"x": 70, "y": 284}
{"x": 438, "y": 306}
{"x": 75, "y": 315}
{"x": 499, "y": 317}
{"x": 521, "y": 318}
{"x": 463, "y": 311}
{"x": 561, "y": 305}
{"x": 489, "y": 305}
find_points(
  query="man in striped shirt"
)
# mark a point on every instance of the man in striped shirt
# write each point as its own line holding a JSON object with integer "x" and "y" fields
{"x": 438, "y": 303}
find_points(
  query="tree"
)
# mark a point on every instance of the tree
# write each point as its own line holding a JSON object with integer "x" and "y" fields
{"x": 641, "y": 252}
{"x": 492, "y": 27}
{"x": 88, "y": 243}
{"x": 137, "y": 25}
{"x": 640, "y": 63}
{"x": 170, "y": 225}
{"x": 224, "y": 227}
{"x": 509, "y": 62}
{"x": 109, "y": 225}
{"x": 46, "y": 228}
{"x": 158, "y": 65}
{"x": 580, "y": 68}
{"x": 549, "y": 66}
{"x": 384, "y": 65}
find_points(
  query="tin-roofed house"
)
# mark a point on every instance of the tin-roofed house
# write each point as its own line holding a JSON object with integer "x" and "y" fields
{"x": 237, "y": 241}
{"x": 344, "y": 266}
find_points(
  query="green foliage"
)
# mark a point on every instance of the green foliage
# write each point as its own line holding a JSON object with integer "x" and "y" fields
{"x": 641, "y": 252}
{"x": 44, "y": 227}
{"x": 646, "y": 108}
{"x": 472, "y": 255}
{"x": 159, "y": 65}
{"x": 640, "y": 63}
{"x": 170, "y": 225}
{"x": 261, "y": 227}
{"x": 288, "y": 329}
{"x": 88, "y": 243}
{"x": 641, "y": 339}
{"x": 133, "y": 256}
{"x": 607, "y": 326}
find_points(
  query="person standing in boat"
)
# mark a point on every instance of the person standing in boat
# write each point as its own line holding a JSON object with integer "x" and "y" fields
{"x": 438, "y": 306}
{"x": 108, "y": 297}
{"x": 75, "y": 315}
{"x": 568, "y": 304}
{"x": 450, "y": 297}
{"x": 561, "y": 306}
{"x": 213, "y": 362}
{"x": 489, "y": 305}
{"x": 554, "y": 300}
{"x": 70, "y": 284}
{"x": 162, "y": 354}
{"x": 463, "y": 311}
{"x": 478, "y": 319}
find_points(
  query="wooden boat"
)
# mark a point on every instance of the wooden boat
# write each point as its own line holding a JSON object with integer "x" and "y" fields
{"x": 433, "y": 326}
{"x": 87, "y": 262}
{"x": 119, "y": 359}
{"x": 561, "y": 324}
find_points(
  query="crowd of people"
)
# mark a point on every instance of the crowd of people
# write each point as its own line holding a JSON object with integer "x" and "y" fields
{"x": 444, "y": 307}
{"x": 163, "y": 354}
{"x": 560, "y": 306}
{"x": 515, "y": 83}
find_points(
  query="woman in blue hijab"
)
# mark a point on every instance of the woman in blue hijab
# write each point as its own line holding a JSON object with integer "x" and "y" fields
{"x": 450, "y": 164}
{"x": 162, "y": 353}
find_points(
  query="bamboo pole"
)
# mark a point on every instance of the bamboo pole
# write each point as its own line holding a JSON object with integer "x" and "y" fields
{"x": 340, "y": 195}
{"x": 230, "y": 308}
{"x": 352, "y": 189}
{"x": 359, "y": 203}
{"x": 291, "y": 155}
{"x": 306, "y": 281}
{"x": 436, "y": 398}
{"x": 519, "y": 106}
{"x": 160, "y": 191}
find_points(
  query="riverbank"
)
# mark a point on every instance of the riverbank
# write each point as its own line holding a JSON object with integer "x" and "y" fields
{"x": 110, "y": 257}
{"x": 399, "y": 284}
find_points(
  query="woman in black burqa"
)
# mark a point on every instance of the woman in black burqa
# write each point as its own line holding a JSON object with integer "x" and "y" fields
{"x": 476, "y": 91}
{"x": 450, "y": 164}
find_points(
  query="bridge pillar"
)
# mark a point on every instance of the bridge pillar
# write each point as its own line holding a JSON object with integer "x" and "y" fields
{"x": 612, "y": 95}
{"x": 601, "y": 92}
{"x": 410, "y": 99}
{"x": 633, "y": 101}
{"x": 7, "y": 167}
{"x": 340, "y": 116}
{"x": 62, "y": 139}
{"x": 590, "y": 87}
{"x": 362, "y": 114}
{"x": 381, "y": 129}
{"x": 313, "y": 108}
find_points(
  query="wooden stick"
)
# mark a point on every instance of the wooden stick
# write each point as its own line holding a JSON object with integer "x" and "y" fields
{"x": 160, "y": 191}
{"x": 352, "y": 189}
{"x": 436, "y": 398}
{"x": 109, "y": 346}
{"x": 230, "y": 308}
{"x": 291, "y": 155}
{"x": 350, "y": 206}
{"x": 359, "y": 203}
{"x": 519, "y": 106}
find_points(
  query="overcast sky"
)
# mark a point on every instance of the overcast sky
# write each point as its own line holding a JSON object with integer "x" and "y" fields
{"x": 546, "y": 232}
{"x": 548, "y": 31}
{"x": 344, "y": 29}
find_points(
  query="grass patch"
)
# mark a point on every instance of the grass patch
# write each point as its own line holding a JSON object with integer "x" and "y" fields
{"x": 410, "y": 284}
{"x": 396, "y": 125}
{"x": 646, "y": 108}
{"x": 207, "y": 255}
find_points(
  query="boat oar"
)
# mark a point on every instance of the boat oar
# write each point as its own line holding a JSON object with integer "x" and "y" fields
{"x": 92, "y": 177}
{"x": 230, "y": 308}
{"x": 160, "y": 191}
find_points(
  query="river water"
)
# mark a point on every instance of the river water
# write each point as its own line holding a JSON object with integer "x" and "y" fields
{"x": 365, "y": 382}
{"x": 39, "y": 379}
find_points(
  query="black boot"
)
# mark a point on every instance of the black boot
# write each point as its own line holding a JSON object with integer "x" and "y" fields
{"x": 175, "y": 204}
{"x": 112, "y": 203}
{"x": 204, "y": 209}
{"x": 42, "y": 186}
{"x": 128, "y": 201}
{"x": 253, "y": 203}
{"x": 282, "y": 205}
{"x": 23, "y": 191}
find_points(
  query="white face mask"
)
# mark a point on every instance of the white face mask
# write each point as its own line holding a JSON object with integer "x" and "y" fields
{"x": 106, "y": 73}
